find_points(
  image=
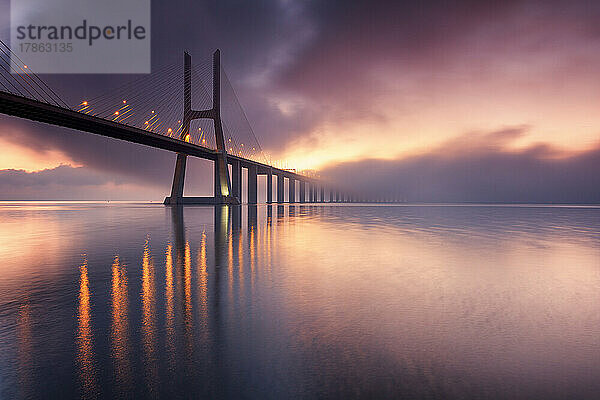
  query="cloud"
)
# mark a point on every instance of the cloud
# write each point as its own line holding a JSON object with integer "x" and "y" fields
{"x": 475, "y": 167}
{"x": 123, "y": 161}
{"x": 109, "y": 162}
{"x": 326, "y": 81}
{"x": 69, "y": 183}
{"x": 479, "y": 172}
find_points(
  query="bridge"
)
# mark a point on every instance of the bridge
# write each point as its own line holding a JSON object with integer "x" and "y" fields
{"x": 25, "y": 95}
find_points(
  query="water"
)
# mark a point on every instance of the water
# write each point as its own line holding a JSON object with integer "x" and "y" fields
{"x": 331, "y": 301}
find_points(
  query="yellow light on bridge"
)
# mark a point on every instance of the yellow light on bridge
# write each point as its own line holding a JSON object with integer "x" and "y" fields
{"x": 25, "y": 66}
{"x": 203, "y": 140}
{"x": 84, "y": 103}
{"x": 187, "y": 137}
{"x": 146, "y": 122}
{"x": 230, "y": 139}
{"x": 152, "y": 111}
{"x": 169, "y": 130}
{"x": 124, "y": 101}
{"x": 177, "y": 121}
{"x": 116, "y": 113}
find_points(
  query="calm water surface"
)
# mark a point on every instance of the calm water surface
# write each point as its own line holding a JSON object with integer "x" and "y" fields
{"x": 333, "y": 301}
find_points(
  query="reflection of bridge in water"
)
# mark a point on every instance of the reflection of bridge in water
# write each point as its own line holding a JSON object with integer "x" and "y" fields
{"x": 188, "y": 310}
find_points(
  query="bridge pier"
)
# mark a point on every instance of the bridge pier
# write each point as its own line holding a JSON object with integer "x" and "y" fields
{"x": 178, "y": 181}
{"x": 322, "y": 194}
{"x": 302, "y": 192}
{"x": 291, "y": 190}
{"x": 236, "y": 179}
{"x": 280, "y": 188}
{"x": 269, "y": 187}
{"x": 252, "y": 184}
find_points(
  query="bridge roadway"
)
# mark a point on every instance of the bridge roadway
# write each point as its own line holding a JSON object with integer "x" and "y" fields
{"x": 35, "y": 110}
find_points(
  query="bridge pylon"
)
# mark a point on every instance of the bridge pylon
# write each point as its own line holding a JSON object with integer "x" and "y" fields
{"x": 223, "y": 194}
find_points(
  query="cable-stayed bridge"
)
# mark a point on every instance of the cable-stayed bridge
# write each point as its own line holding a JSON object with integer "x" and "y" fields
{"x": 174, "y": 111}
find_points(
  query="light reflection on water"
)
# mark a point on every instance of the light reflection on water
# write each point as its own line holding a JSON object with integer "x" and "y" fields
{"x": 298, "y": 301}
{"x": 84, "y": 337}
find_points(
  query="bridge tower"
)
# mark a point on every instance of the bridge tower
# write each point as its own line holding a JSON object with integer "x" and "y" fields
{"x": 223, "y": 194}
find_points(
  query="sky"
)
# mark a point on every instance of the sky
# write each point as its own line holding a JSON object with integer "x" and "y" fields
{"x": 434, "y": 101}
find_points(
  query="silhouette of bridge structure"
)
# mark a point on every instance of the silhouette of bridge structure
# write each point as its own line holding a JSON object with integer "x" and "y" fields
{"x": 153, "y": 111}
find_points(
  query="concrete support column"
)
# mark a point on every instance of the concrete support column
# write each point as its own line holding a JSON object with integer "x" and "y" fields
{"x": 236, "y": 179}
{"x": 322, "y": 194}
{"x": 178, "y": 179}
{"x": 269, "y": 187}
{"x": 216, "y": 180}
{"x": 292, "y": 190}
{"x": 280, "y": 196}
{"x": 302, "y": 192}
{"x": 311, "y": 189}
{"x": 252, "y": 184}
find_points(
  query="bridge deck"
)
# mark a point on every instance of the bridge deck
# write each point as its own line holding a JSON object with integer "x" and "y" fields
{"x": 34, "y": 110}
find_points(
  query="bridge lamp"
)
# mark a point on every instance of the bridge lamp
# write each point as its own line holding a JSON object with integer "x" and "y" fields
{"x": 169, "y": 130}
{"x": 124, "y": 101}
{"x": 187, "y": 138}
{"x": 203, "y": 140}
{"x": 116, "y": 113}
{"x": 25, "y": 66}
{"x": 85, "y": 103}
{"x": 152, "y": 111}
